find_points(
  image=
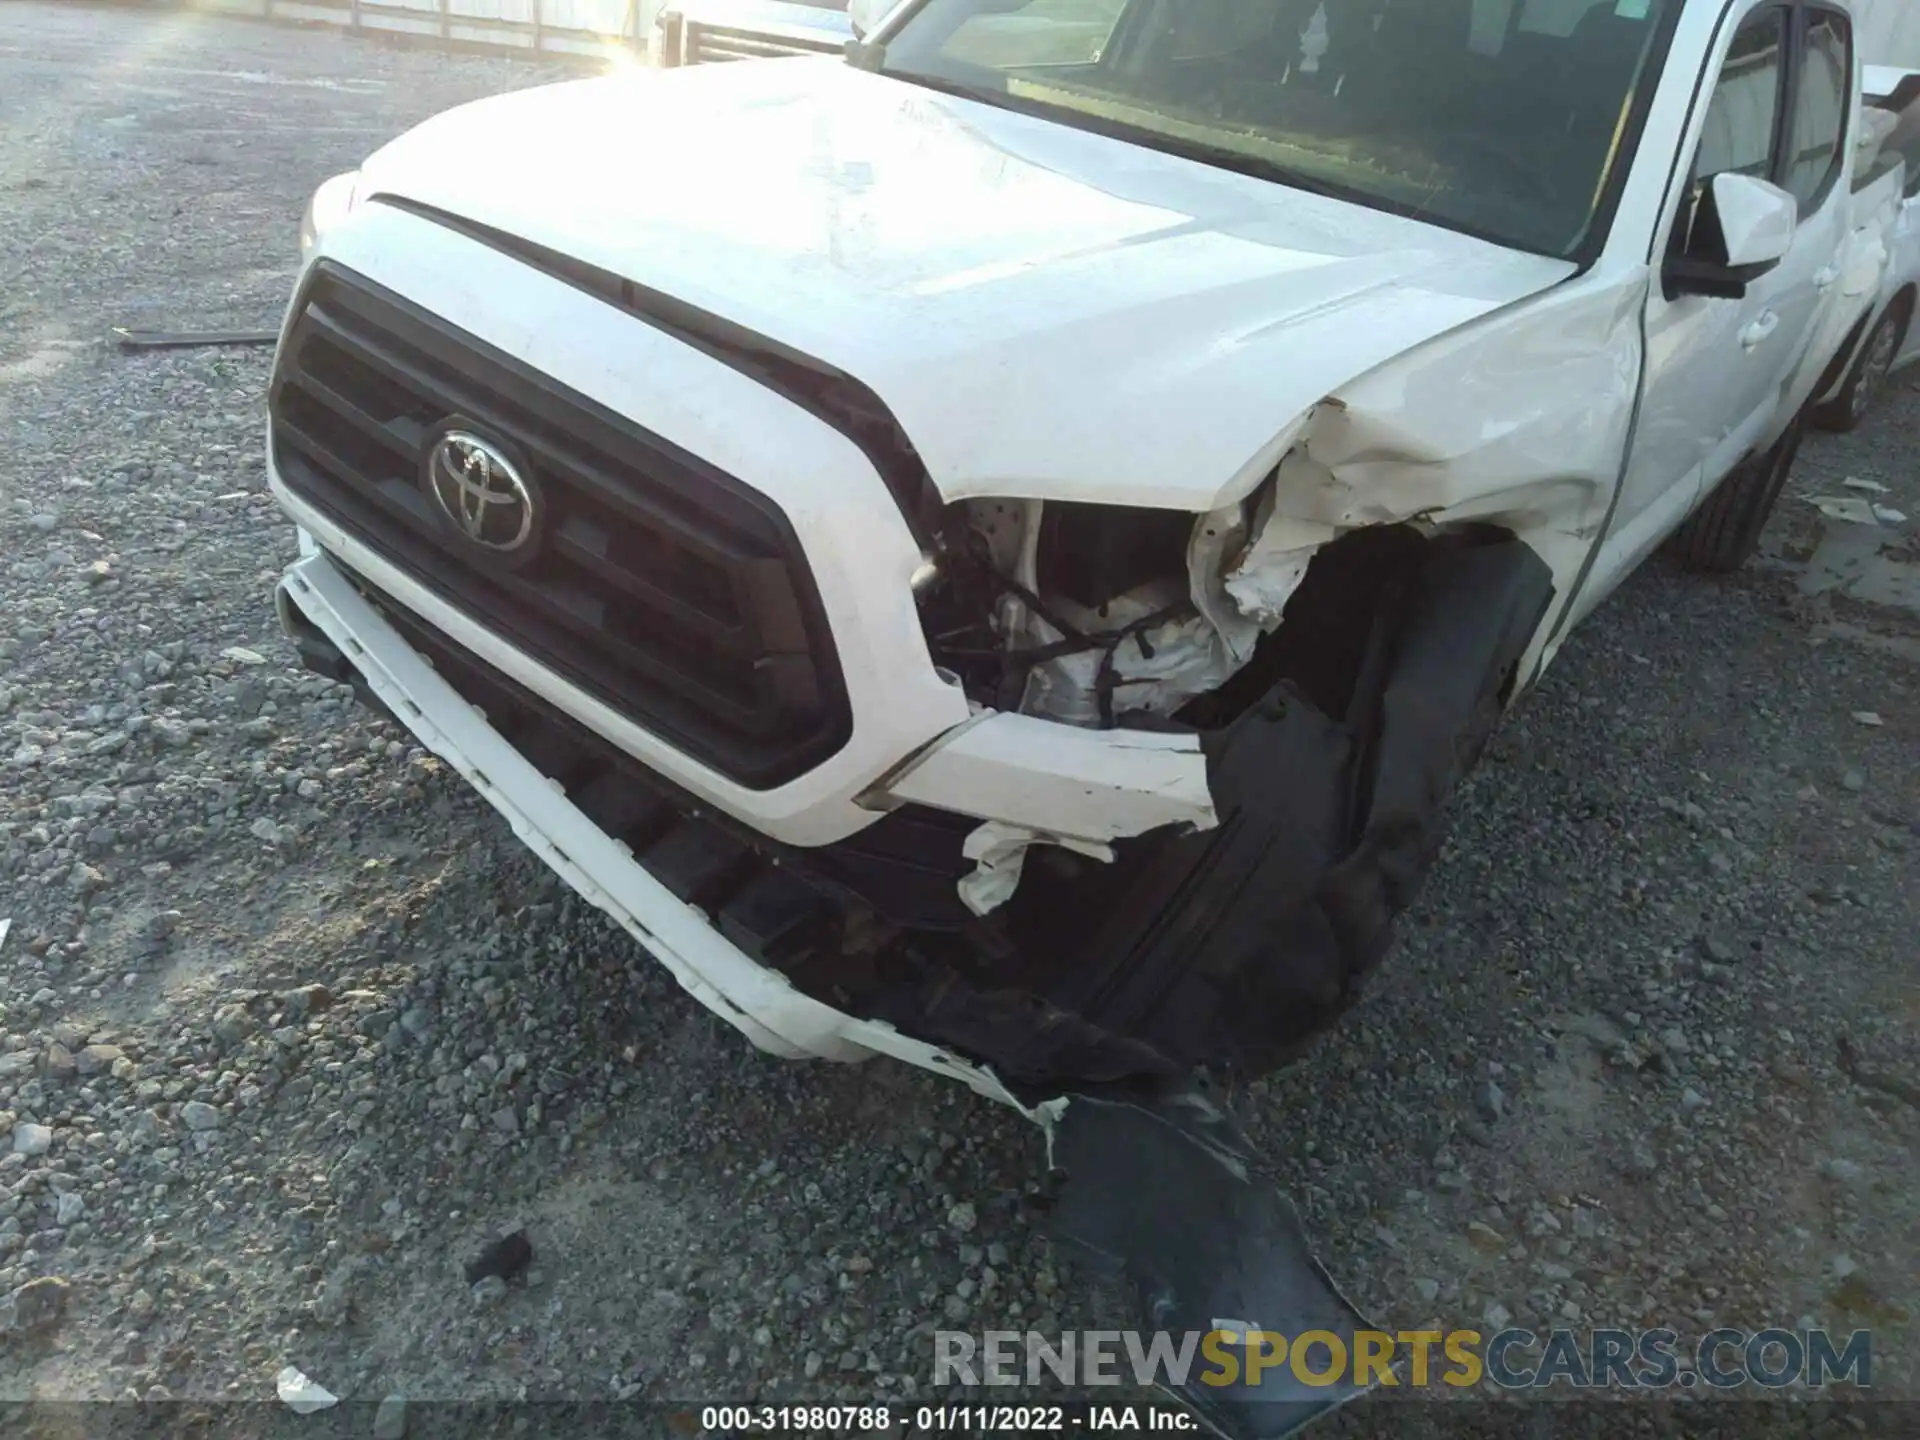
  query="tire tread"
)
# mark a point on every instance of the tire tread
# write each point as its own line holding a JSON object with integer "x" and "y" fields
{"x": 1722, "y": 534}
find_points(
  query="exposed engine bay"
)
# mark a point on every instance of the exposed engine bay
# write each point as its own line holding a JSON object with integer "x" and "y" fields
{"x": 1096, "y": 614}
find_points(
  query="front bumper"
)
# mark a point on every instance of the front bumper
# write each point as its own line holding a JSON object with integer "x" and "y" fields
{"x": 1145, "y": 1170}
{"x": 758, "y": 1001}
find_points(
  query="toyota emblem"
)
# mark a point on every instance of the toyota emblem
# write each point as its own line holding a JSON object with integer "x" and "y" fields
{"x": 481, "y": 492}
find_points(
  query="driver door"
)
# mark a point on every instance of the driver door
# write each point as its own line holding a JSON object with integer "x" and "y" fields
{"x": 1718, "y": 370}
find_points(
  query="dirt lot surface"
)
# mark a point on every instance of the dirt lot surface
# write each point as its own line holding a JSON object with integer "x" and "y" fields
{"x": 289, "y": 1026}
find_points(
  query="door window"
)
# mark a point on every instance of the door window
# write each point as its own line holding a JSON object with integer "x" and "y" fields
{"x": 1744, "y": 111}
{"x": 1818, "y": 124}
{"x": 1799, "y": 58}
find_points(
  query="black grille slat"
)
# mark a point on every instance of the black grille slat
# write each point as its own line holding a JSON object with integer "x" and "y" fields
{"x": 582, "y": 618}
{"x": 709, "y": 542}
{"x": 381, "y": 491}
{"x": 664, "y": 587}
{"x": 404, "y": 447}
{"x": 572, "y": 538}
{"x": 388, "y": 497}
{"x": 540, "y": 416}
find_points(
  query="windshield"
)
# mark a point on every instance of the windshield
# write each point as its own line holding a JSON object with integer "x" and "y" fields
{"x": 1502, "y": 118}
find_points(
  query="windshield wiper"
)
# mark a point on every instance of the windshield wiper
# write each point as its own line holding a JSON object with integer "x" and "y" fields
{"x": 985, "y": 94}
{"x": 1241, "y": 163}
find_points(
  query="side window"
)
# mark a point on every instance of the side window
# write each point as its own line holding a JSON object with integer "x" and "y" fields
{"x": 1487, "y": 30}
{"x": 1745, "y": 109}
{"x": 1818, "y": 124}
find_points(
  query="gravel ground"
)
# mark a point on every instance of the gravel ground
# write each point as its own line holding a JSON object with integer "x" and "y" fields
{"x": 289, "y": 1026}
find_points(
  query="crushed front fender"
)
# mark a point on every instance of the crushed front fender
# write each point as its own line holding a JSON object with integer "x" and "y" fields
{"x": 1233, "y": 947}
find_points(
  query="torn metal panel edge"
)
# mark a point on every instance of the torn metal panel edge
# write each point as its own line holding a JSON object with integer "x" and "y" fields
{"x": 999, "y": 853}
{"x": 1060, "y": 779}
{"x": 1521, "y": 420}
{"x": 1395, "y": 447}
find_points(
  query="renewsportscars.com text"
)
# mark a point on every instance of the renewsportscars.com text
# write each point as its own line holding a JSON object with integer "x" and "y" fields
{"x": 1512, "y": 1358}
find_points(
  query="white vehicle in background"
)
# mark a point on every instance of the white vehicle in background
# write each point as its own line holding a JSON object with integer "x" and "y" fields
{"x": 1891, "y": 340}
{"x": 997, "y": 550}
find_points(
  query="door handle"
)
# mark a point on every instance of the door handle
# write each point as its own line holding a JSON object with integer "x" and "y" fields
{"x": 1825, "y": 278}
{"x": 1759, "y": 330}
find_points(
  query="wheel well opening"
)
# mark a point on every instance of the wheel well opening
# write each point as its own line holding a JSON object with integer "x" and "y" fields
{"x": 1322, "y": 643}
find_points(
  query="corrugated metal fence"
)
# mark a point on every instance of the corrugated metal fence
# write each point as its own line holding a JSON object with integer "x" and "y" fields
{"x": 568, "y": 27}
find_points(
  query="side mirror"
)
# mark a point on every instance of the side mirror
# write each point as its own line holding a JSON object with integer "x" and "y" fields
{"x": 1742, "y": 228}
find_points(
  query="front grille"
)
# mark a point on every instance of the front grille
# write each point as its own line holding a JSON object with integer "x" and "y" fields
{"x": 661, "y": 585}
{"x": 709, "y": 43}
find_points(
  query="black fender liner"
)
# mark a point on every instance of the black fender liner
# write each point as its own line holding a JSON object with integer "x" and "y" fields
{"x": 1231, "y": 948}
{"x": 1157, "y": 1192}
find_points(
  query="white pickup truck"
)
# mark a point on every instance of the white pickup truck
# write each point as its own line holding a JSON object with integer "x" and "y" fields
{"x": 996, "y": 550}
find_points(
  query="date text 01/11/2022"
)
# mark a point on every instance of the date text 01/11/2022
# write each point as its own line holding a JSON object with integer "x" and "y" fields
{"x": 958, "y": 1419}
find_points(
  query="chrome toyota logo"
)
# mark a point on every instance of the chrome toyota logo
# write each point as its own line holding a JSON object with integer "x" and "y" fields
{"x": 481, "y": 491}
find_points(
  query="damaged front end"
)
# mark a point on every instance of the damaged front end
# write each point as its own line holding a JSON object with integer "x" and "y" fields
{"x": 1290, "y": 712}
{"x": 1339, "y": 685}
{"x": 1340, "y": 682}
{"x": 1334, "y": 683}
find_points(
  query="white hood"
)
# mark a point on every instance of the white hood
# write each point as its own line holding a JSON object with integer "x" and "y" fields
{"x": 1049, "y": 313}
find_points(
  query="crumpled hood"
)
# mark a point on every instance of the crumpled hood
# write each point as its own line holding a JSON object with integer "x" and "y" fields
{"x": 1049, "y": 313}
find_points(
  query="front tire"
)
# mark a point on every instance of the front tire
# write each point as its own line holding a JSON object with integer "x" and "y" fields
{"x": 1869, "y": 374}
{"x": 1724, "y": 532}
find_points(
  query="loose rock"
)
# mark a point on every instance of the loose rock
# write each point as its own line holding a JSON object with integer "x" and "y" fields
{"x": 502, "y": 1258}
{"x": 37, "y": 1305}
{"x": 390, "y": 1419}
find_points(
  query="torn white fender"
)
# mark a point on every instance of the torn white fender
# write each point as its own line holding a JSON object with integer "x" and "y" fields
{"x": 999, "y": 853}
{"x": 1271, "y": 568}
{"x": 1521, "y": 420}
{"x": 1062, "y": 779}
